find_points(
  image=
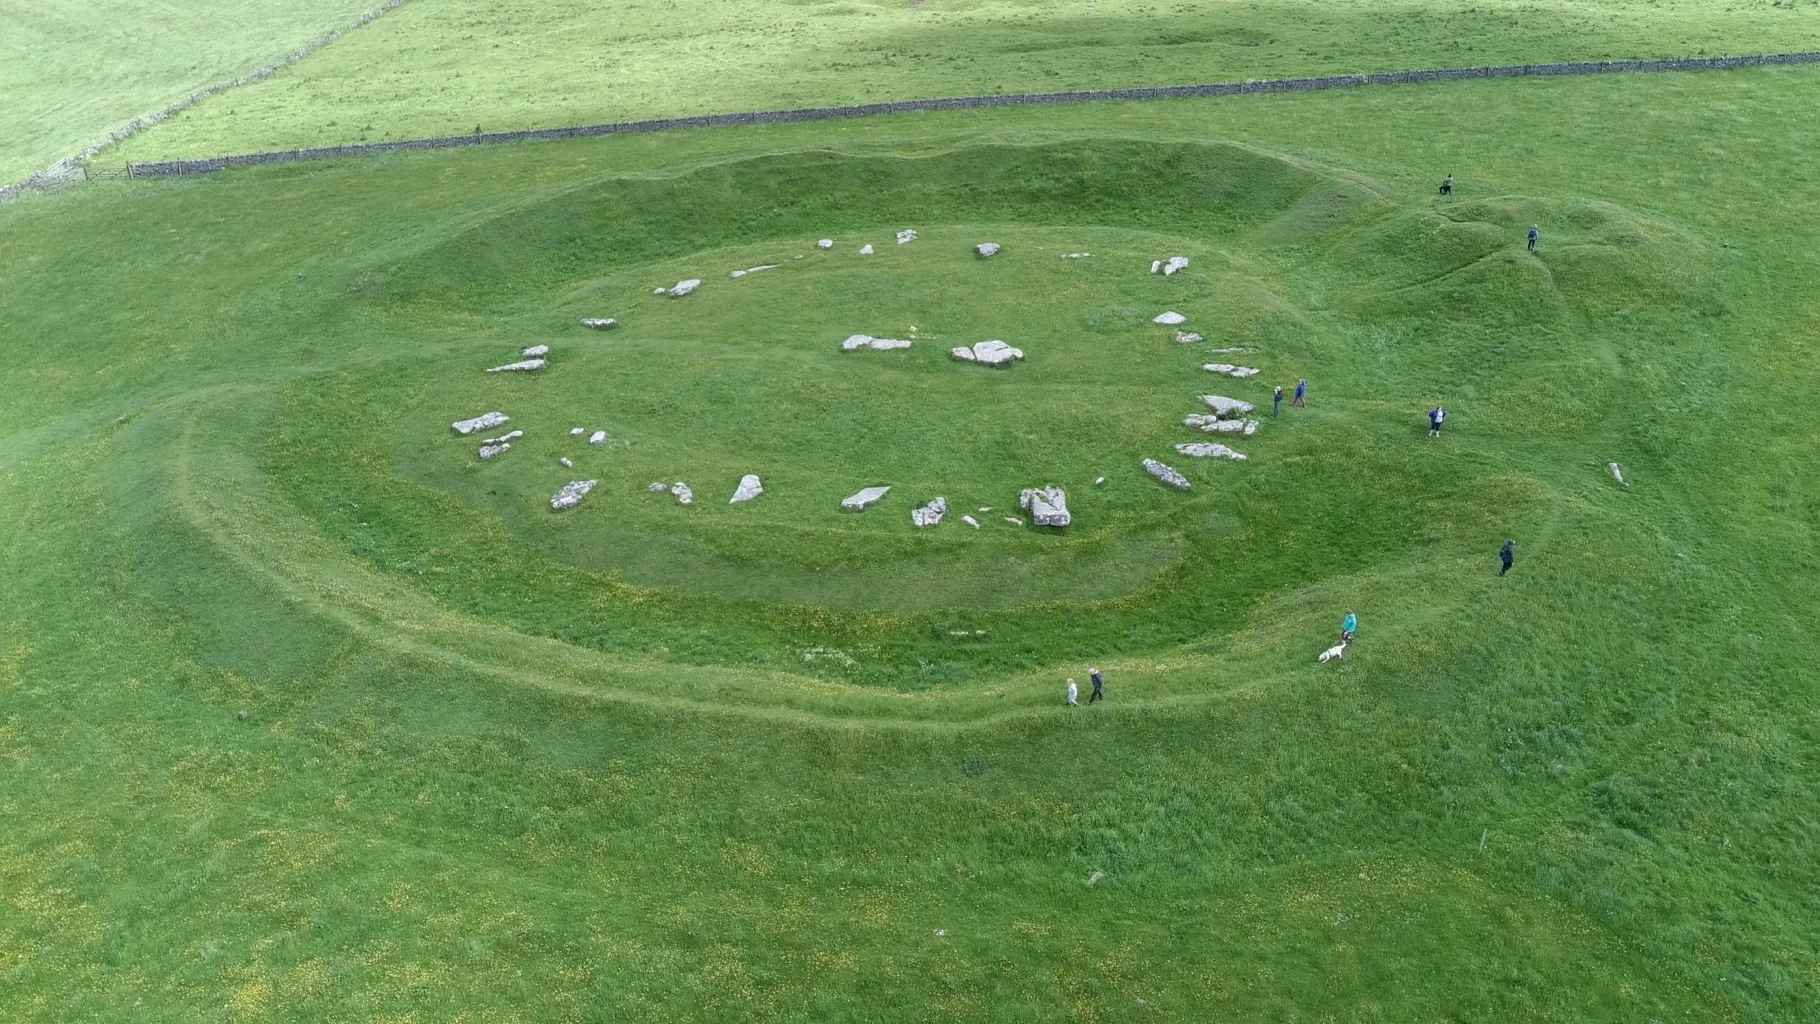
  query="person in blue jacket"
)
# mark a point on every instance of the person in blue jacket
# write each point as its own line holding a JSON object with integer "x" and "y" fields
{"x": 1348, "y": 626}
{"x": 1534, "y": 233}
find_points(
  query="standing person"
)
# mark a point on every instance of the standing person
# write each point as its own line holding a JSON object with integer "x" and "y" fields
{"x": 1534, "y": 233}
{"x": 1348, "y": 626}
{"x": 1436, "y": 417}
{"x": 1099, "y": 685}
{"x": 1507, "y": 554}
{"x": 1276, "y": 401}
{"x": 1447, "y": 185}
{"x": 1301, "y": 394}
{"x": 1073, "y": 693}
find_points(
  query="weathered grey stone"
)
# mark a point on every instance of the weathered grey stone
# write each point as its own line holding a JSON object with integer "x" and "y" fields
{"x": 1225, "y": 407}
{"x": 535, "y": 351}
{"x": 750, "y": 486}
{"x": 1170, "y": 318}
{"x": 487, "y": 451}
{"x": 659, "y": 291}
{"x": 1168, "y": 267}
{"x": 481, "y": 422}
{"x": 684, "y": 496}
{"x": 1209, "y": 450}
{"x": 522, "y": 366}
{"x": 1099, "y": 480}
{"x": 906, "y": 236}
{"x": 577, "y": 431}
{"x": 1165, "y": 474}
{"x": 986, "y": 249}
{"x": 1187, "y": 337}
{"x": 970, "y": 521}
{"x": 930, "y": 514}
{"x": 1014, "y": 521}
{"x": 1240, "y": 372}
{"x": 866, "y": 250}
{"x": 865, "y": 497}
{"x": 565, "y": 461}
{"x": 1214, "y": 425}
{"x": 990, "y": 353}
{"x": 1616, "y": 473}
{"x": 683, "y": 288}
{"x": 754, "y": 270}
{"x": 826, "y": 243}
{"x": 859, "y": 341}
{"x": 598, "y": 437}
{"x": 599, "y": 323}
{"x": 503, "y": 438}
{"x": 1076, "y": 255}
{"x": 1048, "y": 506}
{"x": 658, "y": 487}
{"x": 571, "y": 494}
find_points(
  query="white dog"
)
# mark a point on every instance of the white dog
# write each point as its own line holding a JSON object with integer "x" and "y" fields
{"x": 1336, "y": 651}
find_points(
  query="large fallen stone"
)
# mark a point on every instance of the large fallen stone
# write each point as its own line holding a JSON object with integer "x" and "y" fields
{"x": 826, "y": 243}
{"x": 750, "y": 486}
{"x": 481, "y": 422}
{"x": 930, "y": 514}
{"x": 571, "y": 494}
{"x": 684, "y": 496}
{"x": 906, "y": 236}
{"x": 865, "y": 497}
{"x": 1048, "y": 506}
{"x": 598, "y": 437}
{"x": 1224, "y": 407}
{"x": 488, "y": 451}
{"x": 1214, "y": 425}
{"x": 991, "y": 353}
{"x": 1171, "y": 318}
{"x": 599, "y": 323}
{"x": 535, "y": 351}
{"x": 522, "y": 366}
{"x": 1165, "y": 474}
{"x": 859, "y": 341}
{"x": 683, "y": 288}
{"x": 1209, "y": 450}
{"x": 1168, "y": 267}
{"x": 986, "y": 249}
{"x": 1241, "y": 372}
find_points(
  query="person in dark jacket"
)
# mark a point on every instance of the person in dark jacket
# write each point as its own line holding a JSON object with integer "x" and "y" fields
{"x": 1301, "y": 394}
{"x": 1447, "y": 185}
{"x": 1099, "y": 685}
{"x": 1276, "y": 401}
{"x": 1534, "y": 233}
{"x": 1436, "y": 417}
{"x": 1507, "y": 554}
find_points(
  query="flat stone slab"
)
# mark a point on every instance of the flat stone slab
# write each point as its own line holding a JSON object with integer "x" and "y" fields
{"x": 599, "y": 323}
{"x": 1048, "y": 506}
{"x": 750, "y": 486}
{"x": 683, "y": 288}
{"x": 865, "y": 497}
{"x": 1241, "y": 372}
{"x": 1224, "y": 407}
{"x": 906, "y": 236}
{"x": 1170, "y": 318}
{"x": 989, "y": 353}
{"x": 1076, "y": 255}
{"x": 825, "y": 243}
{"x": 571, "y": 494}
{"x": 503, "y": 438}
{"x": 1209, "y": 450}
{"x": 488, "y": 451}
{"x": 986, "y": 249}
{"x": 1214, "y": 425}
{"x": 1166, "y": 474}
{"x": 859, "y": 341}
{"x": 1170, "y": 266}
{"x": 482, "y": 422}
{"x": 930, "y": 514}
{"x": 522, "y": 366}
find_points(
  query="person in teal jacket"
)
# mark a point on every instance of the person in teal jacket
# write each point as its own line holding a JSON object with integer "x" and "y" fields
{"x": 1348, "y": 626}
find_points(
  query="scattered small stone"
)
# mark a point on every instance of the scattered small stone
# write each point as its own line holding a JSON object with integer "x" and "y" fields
{"x": 1226, "y": 407}
{"x": 577, "y": 431}
{"x": 736, "y": 273}
{"x": 1014, "y": 521}
{"x": 986, "y": 249}
{"x": 571, "y": 494}
{"x": 684, "y": 496}
{"x": 859, "y": 341}
{"x": 1241, "y": 372}
{"x": 503, "y": 438}
{"x": 565, "y": 461}
{"x": 906, "y": 236}
{"x": 1616, "y": 473}
{"x": 1171, "y": 318}
{"x": 1099, "y": 480}
{"x": 598, "y": 437}
{"x": 1165, "y": 474}
{"x": 481, "y": 422}
{"x": 970, "y": 521}
{"x": 865, "y": 497}
{"x": 826, "y": 243}
{"x": 866, "y": 250}
{"x": 684, "y": 287}
{"x": 930, "y": 514}
{"x": 1187, "y": 337}
{"x": 599, "y": 323}
{"x": 750, "y": 486}
{"x": 487, "y": 451}
{"x": 990, "y": 353}
{"x": 240, "y": 716}
{"x": 1096, "y": 876}
{"x": 1168, "y": 267}
{"x": 1048, "y": 506}
{"x": 1209, "y": 450}
{"x": 985, "y": 508}
{"x": 941, "y": 932}
{"x": 1076, "y": 255}
{"x": 658, "y": 487}
{"x": 522, "y": 366}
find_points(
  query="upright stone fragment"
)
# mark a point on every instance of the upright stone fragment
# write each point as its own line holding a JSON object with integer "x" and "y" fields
{"x": 865, "y": 497}
{"x": 482, "y": 422}
{"x": 1165, "y": 474}
{"x": 571, "y": 494}
{"x": 930, "y": 514}
{"x": 1048, "y": 506}
{"x": 750, "y": 486}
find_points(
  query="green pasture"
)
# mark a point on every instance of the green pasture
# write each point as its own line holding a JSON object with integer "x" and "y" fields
{"x": 640, "y": 761}
{"x": 449, "y": 67}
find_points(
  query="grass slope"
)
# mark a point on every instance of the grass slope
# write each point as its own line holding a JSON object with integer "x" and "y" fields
{"x": 69, "y": 73}
{"x": 446, "y": 68}
{"x": 1573, "y": 794}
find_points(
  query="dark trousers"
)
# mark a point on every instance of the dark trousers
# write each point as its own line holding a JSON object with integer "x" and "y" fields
{"x": 1276, "y": 405}
{"x": 1506, "y": 567}
{"x": 1532, "y": 245}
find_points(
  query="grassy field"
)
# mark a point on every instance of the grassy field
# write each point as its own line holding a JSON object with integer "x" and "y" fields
{"x": 451, "y": 66}
{"x": 69, "y": 74}
{"x": 639, "y": 761}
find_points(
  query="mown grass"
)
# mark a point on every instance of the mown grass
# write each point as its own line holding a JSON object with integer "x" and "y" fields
{"x": 450, "y": 68}
{"x": 1571, "y": 794}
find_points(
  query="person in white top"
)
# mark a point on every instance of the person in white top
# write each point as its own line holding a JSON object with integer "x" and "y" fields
{"x": 1073, "y": 694}
{"x": 1436, "y": 417}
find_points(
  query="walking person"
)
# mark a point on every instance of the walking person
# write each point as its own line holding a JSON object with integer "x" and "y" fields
{"x": 1436, "y": 417}
{"x": 1507, "y": 554}
{"x": 1276, "y": 401}
{"x": 1348, "y": 626}
{"x": 1447, "y": 185}
{"x": 1073, "y": 695}
{"x": 1534, "y": 233}
{"x": 1099, "y": 685}
{"x": 1301, "y": 394}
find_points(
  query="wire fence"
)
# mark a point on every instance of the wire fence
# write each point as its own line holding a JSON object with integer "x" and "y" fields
{"x": 181, "y": 168}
